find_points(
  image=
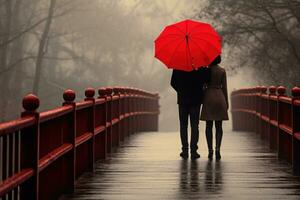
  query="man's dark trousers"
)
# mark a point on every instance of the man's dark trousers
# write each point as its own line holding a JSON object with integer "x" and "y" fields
{"x": 186, "y": 111}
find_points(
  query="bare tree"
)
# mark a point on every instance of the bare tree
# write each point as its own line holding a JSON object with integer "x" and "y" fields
{"x": 261, "y": 34}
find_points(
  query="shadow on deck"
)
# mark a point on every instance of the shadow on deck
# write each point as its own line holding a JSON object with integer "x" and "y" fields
{"x": 148, "y": 166}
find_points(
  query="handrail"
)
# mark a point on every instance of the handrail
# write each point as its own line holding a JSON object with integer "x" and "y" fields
{"x": 273, "y": 115}
{"x": 42, "y": 154}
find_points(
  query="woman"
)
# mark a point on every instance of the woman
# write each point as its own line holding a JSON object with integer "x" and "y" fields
{"x": 215, "y": 105}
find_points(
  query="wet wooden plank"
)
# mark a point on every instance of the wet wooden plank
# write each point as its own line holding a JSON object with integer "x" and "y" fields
{"x": 148, "y": 166}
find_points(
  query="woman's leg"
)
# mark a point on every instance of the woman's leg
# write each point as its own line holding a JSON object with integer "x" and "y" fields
{"x": 208, "y": 132}
{"x": 219, "y": 135}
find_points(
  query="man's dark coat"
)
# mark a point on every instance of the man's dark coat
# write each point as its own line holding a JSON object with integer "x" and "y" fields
{"x": 189, "y": 85}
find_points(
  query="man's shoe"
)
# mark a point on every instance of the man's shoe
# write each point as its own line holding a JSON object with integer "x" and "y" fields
{"x": 218, "y": 155}
{"x": 195, "y": 155}
{"x": 210, "y": 154}
{"x": 184, "y": 155}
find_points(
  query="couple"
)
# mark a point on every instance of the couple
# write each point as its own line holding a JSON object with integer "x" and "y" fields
{"x": 206, "y": 86}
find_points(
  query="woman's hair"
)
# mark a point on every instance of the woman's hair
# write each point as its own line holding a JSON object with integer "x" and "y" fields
{"x": 216, "y": 61}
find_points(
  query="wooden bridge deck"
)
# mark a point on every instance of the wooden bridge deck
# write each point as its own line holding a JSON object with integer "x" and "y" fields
{"x": 147, "y": 166}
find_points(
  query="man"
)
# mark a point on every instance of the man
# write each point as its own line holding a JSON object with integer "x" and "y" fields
{"x": 189, "y": 88}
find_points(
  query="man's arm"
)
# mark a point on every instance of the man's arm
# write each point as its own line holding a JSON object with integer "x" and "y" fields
{"x": 174, "y": 80}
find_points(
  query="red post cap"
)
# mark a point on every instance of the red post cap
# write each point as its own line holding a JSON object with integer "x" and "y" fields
{"x": 116, "y": 90}
{"x": 109, "y": 91}
{"x": 122, "y": 90}
{"x": 89, "y": 93}
{"x": 281, "y": 90}
{"x": 272, "y": 89}
{"x": 296, "y": 92}
{"x": 257, "y": 89}
{"x": 101, "y": 91}
{"x": 69, "y": 96}
{"x": 30, "y": 103}
{"x": 263, "y": 89}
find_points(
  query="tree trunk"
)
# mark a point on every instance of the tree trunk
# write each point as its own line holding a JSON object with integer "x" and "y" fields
{"x": 3, "y": 58}
{"x": 42, "y": 47}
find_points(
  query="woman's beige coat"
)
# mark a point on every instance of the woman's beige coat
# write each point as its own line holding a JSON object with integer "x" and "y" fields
{"x": 215, "y": 102}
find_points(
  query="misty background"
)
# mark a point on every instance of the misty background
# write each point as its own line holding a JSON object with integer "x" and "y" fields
{"x": 47, "y": 46}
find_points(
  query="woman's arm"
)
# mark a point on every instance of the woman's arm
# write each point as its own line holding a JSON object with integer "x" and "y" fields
{"x": 224, "y": 88}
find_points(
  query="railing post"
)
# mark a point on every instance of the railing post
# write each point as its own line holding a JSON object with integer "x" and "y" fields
{"x": 69, "y": 97}
{"x": 272, "y": 110}
{"x": 107, "y": 94}
{"x": 240, "y": 120}
{"x": 264, "y": 104}
{"x": 122, "y": 114}
{"x": 252, "y": 108}
{"x": 136, "y": 105}
{"x": 246, "y": 107}
{"x": 116, "y": 117}
{"x": 126, "y": 111}
{"x": 139, "y": 117}
{"x": 280, "y": 92}
{"x": 133, "y": 110}
{"x": 103, "y": 141}
{"x": 89, "y": 96}
{"x": 130, "y": 112}
{"x": 296, "y": 130}
{"x": 257, "y": 109}
{"x": 30, "y": 138}
{"x": 156, "y": 127}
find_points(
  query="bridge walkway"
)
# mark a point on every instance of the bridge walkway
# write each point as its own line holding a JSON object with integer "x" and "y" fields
{"x": 148, "y": 166}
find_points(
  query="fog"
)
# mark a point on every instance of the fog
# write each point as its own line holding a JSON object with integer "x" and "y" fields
{"x": 94, "y": 43}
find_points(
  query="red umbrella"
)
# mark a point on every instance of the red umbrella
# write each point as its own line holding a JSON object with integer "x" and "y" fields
{"x": 187, "y": 45}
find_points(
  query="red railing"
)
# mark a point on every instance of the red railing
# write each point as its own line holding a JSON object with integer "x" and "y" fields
{"x": 273, "y": 115}
{"x": 42, "y": 154}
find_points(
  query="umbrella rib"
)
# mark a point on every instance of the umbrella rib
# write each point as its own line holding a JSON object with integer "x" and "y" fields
{"x": 175, "y": 51}
{"x": 189, "y": 55}
{"x": 161, "y": 37}
{"x": 170, "y": 42}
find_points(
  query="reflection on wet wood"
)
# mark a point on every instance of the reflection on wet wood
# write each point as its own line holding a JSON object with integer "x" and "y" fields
{"x": 148, "y": 166}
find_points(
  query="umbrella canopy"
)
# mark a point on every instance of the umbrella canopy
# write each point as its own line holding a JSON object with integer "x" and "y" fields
{"x": 187, "y": 45}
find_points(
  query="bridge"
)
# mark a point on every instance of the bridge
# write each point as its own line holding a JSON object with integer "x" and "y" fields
{"x": 109, "y": 147}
